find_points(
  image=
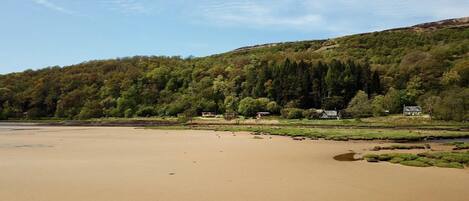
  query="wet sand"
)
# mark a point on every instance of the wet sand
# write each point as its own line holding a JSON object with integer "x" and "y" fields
{"x": 127, "y": 164}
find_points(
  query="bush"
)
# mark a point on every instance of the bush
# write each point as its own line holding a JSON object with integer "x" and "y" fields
{"x": 310, "y": 114}
{"x": 415, "y": 163}
{"x": 444, "y": 164}
{"x": 384, "y": 157}
{"x": 273, "y": 107}
{"x": 146, "y": 111}
{"x": 129, "y": 113}
{"x": 377, "y": 105}
{"x": 250, "y": 106}
{"x": 91, "y": 109}
{"x": 396, "y": 160}
{"x": 292, "y": 113}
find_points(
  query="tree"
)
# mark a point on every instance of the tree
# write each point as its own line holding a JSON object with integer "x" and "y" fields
{"x": 91, "y": 109}
{"x": 360, "y": 106}
{"x": 292, "y": 113}
{"x": 430, "y": 103}
{"x": 248, "y": 107}
{"x": 392, "y": 101}
{"x": 454, "y": 105}
{"x": 332, "y": 79}
{"x": 414, "y": 89}
{"x": 273, "y": 107}
{"x": 462, "y": 69}
{"x": 231, "y": 103}
{"x": 146, "y": 111}
{"x": 377, "y": 105}
{"x": 450, "y": 78}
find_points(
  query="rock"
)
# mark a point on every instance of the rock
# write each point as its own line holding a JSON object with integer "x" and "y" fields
{"x": 372, "y": 160}
{"x": 299, "y": 138}
{"x": 376, "y": 148}
{"x": 428, "y": 146}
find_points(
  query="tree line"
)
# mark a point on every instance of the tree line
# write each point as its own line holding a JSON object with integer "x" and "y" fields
{"x": 362, "y": 75}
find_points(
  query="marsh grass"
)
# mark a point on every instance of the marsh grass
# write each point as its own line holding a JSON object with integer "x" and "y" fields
{"x": 344, "y": 134}
{"x": 337, "y": 134}
{"x": 428, "y": 159}
{"x": 400, "y": 146}
{"x": 459, "y": 145}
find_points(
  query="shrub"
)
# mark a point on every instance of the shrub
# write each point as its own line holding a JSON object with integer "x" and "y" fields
{"x": 310, "y": 114}
{"x": 372, "y": 157}
{"x": 445, "y": 164}
{"x": 128, "y": 113}
{"x": 377, "y": 105}
{"x": 292, "y": 113}
{"x": 250, "y": 106}
{"x": 146, "y": 111}
{"x": 384, "y": 157}
{"x": 415, "y": 163}
{"x": 273, "y": 107}
{"x": 396, "y": 160}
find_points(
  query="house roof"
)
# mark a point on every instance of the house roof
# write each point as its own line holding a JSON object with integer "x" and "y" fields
{"x": 330, "y": 112}
{"x": 412, "y": 109}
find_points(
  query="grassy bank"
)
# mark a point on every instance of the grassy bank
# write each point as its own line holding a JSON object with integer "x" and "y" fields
{"x": 437, "y": 159}
{"x": 339, "y": 134}
{"x": 387, "y": 121}
{"x": 393, "y": 121}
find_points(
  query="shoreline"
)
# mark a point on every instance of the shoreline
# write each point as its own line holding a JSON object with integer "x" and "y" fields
{"x": 259, "y": 129}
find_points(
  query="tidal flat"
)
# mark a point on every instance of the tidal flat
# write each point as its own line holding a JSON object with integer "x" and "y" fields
{"x": 121, "y": 164}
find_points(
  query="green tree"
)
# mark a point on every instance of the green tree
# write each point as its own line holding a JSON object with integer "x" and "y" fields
{"x": 430, "y": 103}
{"x": 360, "y": 106}
{"x": 248, "y": 107}
{"x": 414, "y": 89}
{"x": 231, "y": 103}
{"x": 273, "y": 107}
{"x": 91, "y": 109}
{"x": 392, "y": 101}
{"x": 377, "y": 105}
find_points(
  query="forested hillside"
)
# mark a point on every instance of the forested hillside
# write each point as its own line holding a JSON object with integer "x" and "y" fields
{"x": 426, "y": 65}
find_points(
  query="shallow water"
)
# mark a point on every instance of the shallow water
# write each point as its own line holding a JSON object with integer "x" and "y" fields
{"x": 346, "y": 157}
{"x": 447, "y": 140}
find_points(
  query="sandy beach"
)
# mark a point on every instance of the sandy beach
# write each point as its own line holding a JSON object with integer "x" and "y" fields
{"x": 128, "y": 164}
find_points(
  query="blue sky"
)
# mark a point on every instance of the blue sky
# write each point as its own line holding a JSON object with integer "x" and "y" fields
{"x": 40, "y": 33}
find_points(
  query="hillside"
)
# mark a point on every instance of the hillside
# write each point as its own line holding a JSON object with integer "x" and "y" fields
{"x": 426, "y": 64}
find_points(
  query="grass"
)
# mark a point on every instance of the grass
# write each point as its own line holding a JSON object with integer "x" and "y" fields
{"x": 340, "y": 130}
{"x": 341, "y": 134}
{"x": 386, "y": 121}
{"x": 428, "y": 159}
{"x": 399, "y": 146}
{"x": 337, "y": 134}
{"x": 459, "y": 145}
{"x": 392, "y": 121}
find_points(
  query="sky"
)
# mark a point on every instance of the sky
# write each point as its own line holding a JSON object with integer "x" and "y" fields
{"x": 40, "y": 33}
